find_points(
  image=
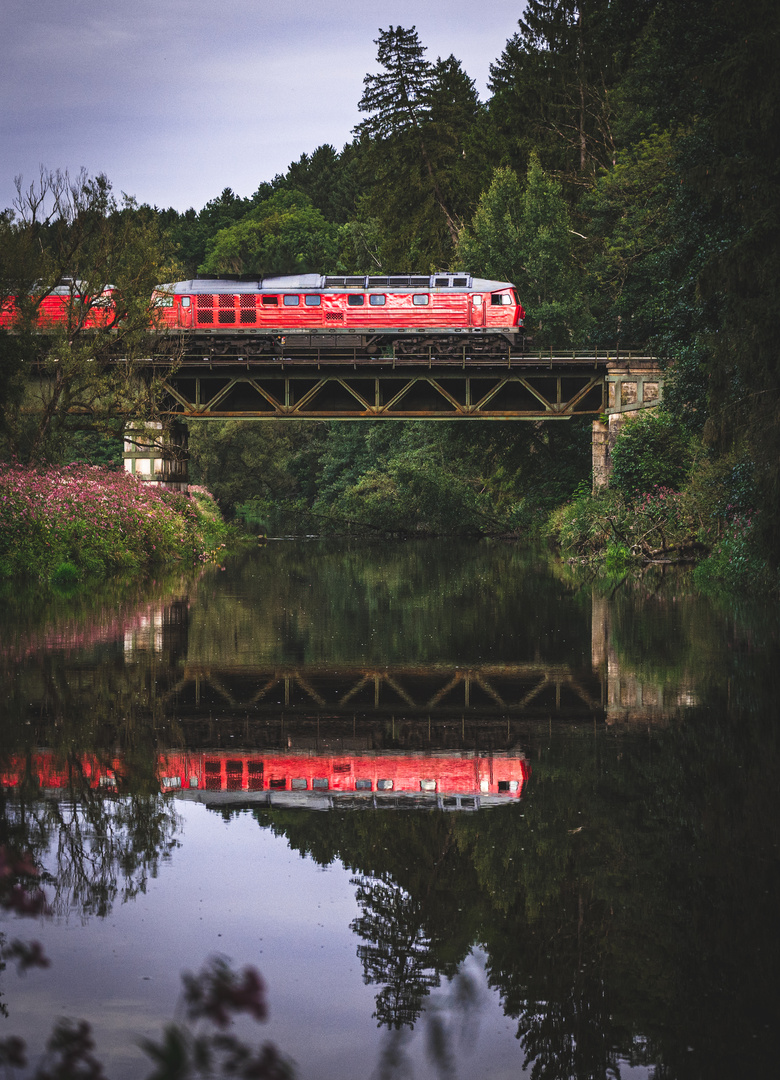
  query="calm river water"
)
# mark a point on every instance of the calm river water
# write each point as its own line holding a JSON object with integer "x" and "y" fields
{"x": 468, "y": 813}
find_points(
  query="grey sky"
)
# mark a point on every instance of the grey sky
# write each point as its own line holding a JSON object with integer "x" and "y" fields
{"x": 177, "y": 99}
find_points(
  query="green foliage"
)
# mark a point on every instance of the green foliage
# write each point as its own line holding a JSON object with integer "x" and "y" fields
{"x": 661, "y": 524}
{"x": 257, "y": 461}
{"x": 737, "y": 563}
{"x": 390, "y": 476}
{"x": 328, "y": 179}
{"x": 629, "y": 223}
{"x": 524, "y": 235}
{"x": 651, "y": 450}
{"x": 192, "y": 231}
{"x": 419, "y": 124}
{"x": 285, "y": 234}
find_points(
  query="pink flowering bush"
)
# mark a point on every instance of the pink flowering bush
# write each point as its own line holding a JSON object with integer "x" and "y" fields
{"x": 63, "y": 523}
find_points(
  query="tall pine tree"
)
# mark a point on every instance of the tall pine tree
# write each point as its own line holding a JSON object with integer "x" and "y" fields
{"x": 410, "y": 106}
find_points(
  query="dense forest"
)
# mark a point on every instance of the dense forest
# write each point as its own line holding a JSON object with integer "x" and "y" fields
{"x": 623, "y": 173}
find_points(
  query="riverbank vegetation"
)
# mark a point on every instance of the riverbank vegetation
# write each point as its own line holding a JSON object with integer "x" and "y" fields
{"x": 63, "y": 525}
{"x": 623, "y": 173}
{"x": 670, "y": 499}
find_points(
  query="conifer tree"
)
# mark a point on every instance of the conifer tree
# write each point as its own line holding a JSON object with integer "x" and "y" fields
{"x": 398, "y": 103}
{"x": 552, "y": 85}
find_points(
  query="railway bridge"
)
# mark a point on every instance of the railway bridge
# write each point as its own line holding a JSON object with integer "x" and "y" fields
{"x": 320, "y": 382}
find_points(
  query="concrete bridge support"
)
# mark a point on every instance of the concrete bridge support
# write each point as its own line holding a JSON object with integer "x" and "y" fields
{"x": 605, "y": 432}
{"x": 631, "y": 386}
{"x": 158, "y": 454}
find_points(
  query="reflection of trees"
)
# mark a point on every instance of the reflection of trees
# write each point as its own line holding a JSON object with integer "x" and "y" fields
{"x": 418, "y": 602}
{"x": 96, "y": 848}
{"x": 398, "y": 954}
{"x": 627, "y": 906}
{"x": 107, "y": 849}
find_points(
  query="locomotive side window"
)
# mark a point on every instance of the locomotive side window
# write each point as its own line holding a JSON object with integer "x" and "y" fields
{"x": 500, "y": 299}
{"x": 377, "y": 299}
{"x": 292, "y": 301}
{"x": 312, "y": 301}
{"x": 421, "y": 299}
{"x": 356, "y": 301}
{"x": 270, "y": 300}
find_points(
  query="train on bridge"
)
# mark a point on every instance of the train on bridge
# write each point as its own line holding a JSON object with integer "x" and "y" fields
{"x": 381, "y": 315}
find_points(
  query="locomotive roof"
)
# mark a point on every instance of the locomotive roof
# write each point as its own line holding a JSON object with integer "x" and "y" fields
{"x": 457, "y": 282}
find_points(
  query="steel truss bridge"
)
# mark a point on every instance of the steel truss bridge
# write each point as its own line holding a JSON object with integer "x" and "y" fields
{"x": 429, "y": 689}
{"x": 349, "y": 385}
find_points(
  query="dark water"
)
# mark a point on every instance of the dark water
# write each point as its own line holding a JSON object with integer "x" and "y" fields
{"x": 468, "y": 813}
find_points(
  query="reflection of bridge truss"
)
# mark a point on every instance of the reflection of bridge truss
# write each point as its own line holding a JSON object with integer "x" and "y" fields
{"x": 507, "y": 689}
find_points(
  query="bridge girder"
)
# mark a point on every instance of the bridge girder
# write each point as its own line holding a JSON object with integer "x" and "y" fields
{"x": 407, "y": 395}
{"x": 557, "y": 387}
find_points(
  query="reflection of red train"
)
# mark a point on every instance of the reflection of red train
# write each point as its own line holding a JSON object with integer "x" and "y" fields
{"x": 307, "y": 771}
{"x": 295, "y": 771}
{"x": 383, "y": 315}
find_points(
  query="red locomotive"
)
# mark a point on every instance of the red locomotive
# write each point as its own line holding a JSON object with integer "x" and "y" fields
{"x": 379, "y": 314}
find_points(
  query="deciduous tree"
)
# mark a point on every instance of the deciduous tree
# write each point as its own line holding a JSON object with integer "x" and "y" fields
{"x": 81, "y": 371}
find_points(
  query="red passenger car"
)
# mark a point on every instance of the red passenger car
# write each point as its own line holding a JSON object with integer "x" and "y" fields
{"x": 68, "y": 303}
{"x": 369, "y": 778}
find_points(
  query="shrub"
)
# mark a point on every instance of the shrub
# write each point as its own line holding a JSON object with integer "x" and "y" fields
{"x": 651, "y": 450}
{"x": 659, "y": 524}
{"x": 71, "y": 522}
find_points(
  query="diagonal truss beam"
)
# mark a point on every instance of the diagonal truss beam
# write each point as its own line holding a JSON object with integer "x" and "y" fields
{"x": 361, "y": 395}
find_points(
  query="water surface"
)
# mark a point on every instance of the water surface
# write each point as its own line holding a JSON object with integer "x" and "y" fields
{"x": 438, "y": 794}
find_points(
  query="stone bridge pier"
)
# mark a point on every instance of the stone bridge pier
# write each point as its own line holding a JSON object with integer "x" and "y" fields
{"x": 158, "y": 453}
{"x": 630, "y": 386}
